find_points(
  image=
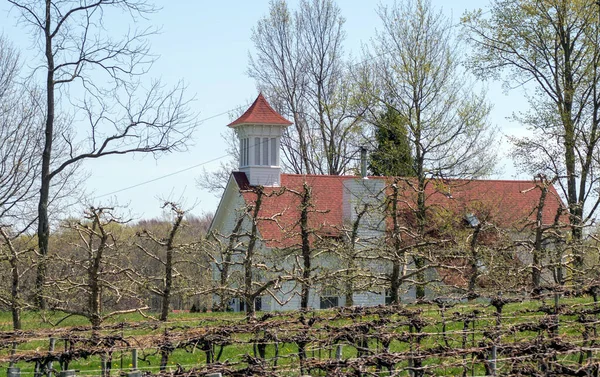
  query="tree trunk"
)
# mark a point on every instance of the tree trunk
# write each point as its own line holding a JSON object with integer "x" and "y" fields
{"x": 397, "y": 242}
{"x": 536, "y": 268}
{"x": 15, "y": 304}
{"x": 306, "y": 252}
{"x": 474, "y": 273}
{"x": 421, "y": 218}
{"x": 166, "y": 294}
{"x": 43, "y": 221}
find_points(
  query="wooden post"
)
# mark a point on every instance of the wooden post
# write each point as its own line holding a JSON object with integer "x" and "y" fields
{"x": 13, "y": 372}
{"x": 67, "y": 373}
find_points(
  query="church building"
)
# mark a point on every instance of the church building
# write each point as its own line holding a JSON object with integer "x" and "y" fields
{"x": 337, "y": 203}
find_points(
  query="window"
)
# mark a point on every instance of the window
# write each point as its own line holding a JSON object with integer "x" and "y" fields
{"x": 328, "y": 302}
{"x": 274, "y": 152}
{"x": 265, "y": 146}
{"x": 256, "y": 151}
{"x": 244, "y": 153}
{"x": 329, "y": 299}
{"x": 388, "y": 297}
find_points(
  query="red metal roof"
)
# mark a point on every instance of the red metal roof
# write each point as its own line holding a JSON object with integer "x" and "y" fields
{"x": 260, "y": 112}
{"x": 509, "y": 204}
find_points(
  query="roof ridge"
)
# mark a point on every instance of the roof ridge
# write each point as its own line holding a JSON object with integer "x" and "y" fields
{"x": 384, "y": 177}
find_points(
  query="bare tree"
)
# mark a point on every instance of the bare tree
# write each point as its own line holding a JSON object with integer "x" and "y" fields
{"x": 17, "y": 251}
{"x": 545, "y": 238}
{"x": 20, "y": 119}
{"x": 94, "y": 278}
{"x": 552, "y": 48}
{"x": 416, "y": 60}
{"x": 299, "y": 66}
{"x": 175, "y": 277}
{"x": 123, "y": 116}
{"x": 246, "y": 266}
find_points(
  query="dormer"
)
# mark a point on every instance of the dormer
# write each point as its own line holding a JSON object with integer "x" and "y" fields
{"x": 259, "y": 132}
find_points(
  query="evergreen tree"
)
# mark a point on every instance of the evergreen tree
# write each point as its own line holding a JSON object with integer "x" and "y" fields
{"x": 392, "y": 156}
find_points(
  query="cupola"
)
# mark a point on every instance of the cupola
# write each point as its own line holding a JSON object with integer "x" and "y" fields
{"x": 259, "y": 132}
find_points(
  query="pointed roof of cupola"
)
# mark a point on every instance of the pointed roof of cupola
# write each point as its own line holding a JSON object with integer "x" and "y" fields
{"x": 260, "y": 113}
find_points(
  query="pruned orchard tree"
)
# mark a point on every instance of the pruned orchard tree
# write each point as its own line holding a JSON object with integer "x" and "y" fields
{"x": 93, "y": 277}
{"x": 16, "y": 261}
{"x": 299, "y": 65}
{"x": 179, "y": 262}
{"x": 352, "y": 253}
{"x": 220, "y": 249}
{"x": 247, "y": 269}
{"x": 551, "y": 47}
{"x": 305, "y": 231}
{"x": 96, "y": 79}
{"x": 416, "y": 60}
{"x": 546, "y": 241}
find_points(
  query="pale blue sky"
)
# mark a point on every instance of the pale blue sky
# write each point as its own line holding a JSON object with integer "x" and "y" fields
{"x": 206, "y": 43}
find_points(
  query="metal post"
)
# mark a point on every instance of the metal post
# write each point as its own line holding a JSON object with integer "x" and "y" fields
{"x": 134, "y": 359}
{"x": 13, "y": 352}
{"x": 493, "y": 360}
{"x": 338, "y": 352}
{"x": 13, "y": 372}
{"x": 37, "y": 369}
{"x": 214, "y": 375}
{"x": 411, "y": 371}
{"x": 67, "y": 373}
{"x": 50, "y": 350}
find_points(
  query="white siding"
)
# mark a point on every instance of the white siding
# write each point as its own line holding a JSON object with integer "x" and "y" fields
{"x": 357, "y": 193}
{"x": 268, "y": 176}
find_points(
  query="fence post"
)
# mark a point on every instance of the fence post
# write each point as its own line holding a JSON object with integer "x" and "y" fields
{"x": 13, "y": 372}
{"x": 134, "y": 365}
{"x": 338, "y": 352}
{"x": 67, "y": 373}
{"x": 214, "y": 375}
{"x": 493, "y": 360}
{"x": 37, "y": 369}
{"x": 556, "y": 313}
{"x": 134, "y": 359}
{"x": 13, "y": 352}
{"x": 411, "y": 370}
{"x": 50, "y": 349}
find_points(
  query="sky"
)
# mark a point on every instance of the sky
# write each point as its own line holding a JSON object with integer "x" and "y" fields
{"x": 206, "y": 44}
